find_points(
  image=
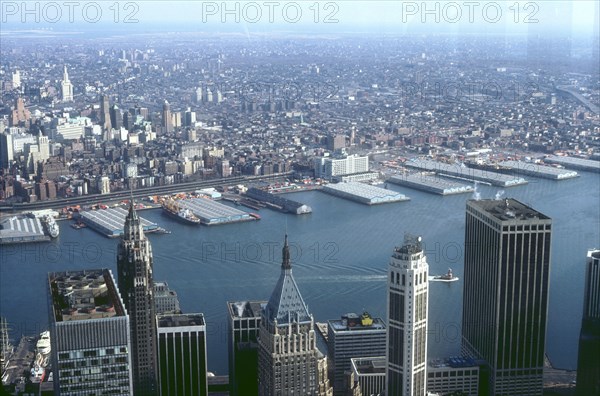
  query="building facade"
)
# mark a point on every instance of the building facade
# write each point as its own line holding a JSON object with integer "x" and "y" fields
{"x": 353, "y": 336}
{"x": 453, "y": 376}
{"x": 165, "y": 299}
{"x": 134, "y": 266}
{"x": 330, "y": 168}
{"x": 182, "y": 354}
{"x": 588, "y": 362}
{"x": 289, "y": 362}
{"x": 505, "y": 304}
{"x": 89, "y": 333}
{"x": 408, "y": 289}
{"x": 243, "y": 329}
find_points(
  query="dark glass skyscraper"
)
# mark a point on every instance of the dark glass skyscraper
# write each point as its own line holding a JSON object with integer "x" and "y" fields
{"x": 588, "y": 362}
{"x": 505, "y": 304}
{"x": 134, "y": 266}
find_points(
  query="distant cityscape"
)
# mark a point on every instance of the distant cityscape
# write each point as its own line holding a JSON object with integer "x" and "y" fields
{"x": 209, "y": 129}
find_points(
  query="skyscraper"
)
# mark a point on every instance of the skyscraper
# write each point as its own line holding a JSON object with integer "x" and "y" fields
{"x": 244, "y": 326}
{"x": 6, "y": 149}
{"x": 408, "y": 290}
{"x": 134, "y": 266}
{"x": 89, "y": 333}
{"x": 116, "y": 117}
{"x": 66, "y": 87}
{"x": 588, "y": 362}
{"x": 167, "y": 120}
{"x": 505, "y": 304}
{"x": 182, "y": 354}
{"x": 105, "y": 112}
{"x": 353, "y": 336}
{"x": 288, "y": 359}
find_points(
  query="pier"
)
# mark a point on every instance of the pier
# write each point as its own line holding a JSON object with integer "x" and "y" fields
{"x": 430, "y": 183}
{"x": 537, "y": 170}
{"x": 276, "y": 202}
{"x": 574, "y": 163}
{"x": 462, "y": 172}
{"x": 110, "y": 222}
{"x": 364, "y": 193}
{"x": 22, "y": 229}
{"x": 210, "y": 212}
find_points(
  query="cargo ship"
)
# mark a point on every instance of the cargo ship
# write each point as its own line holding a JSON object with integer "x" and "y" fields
{"x": 171, "y": 208}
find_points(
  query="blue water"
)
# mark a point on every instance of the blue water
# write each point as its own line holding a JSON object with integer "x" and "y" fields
{"x": 339, "y": 253}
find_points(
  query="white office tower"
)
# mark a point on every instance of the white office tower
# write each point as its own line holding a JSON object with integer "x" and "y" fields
{"x": 407, "y": 320}
{"x": 66, "y": 87}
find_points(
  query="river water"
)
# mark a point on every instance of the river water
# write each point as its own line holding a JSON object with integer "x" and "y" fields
{"x": 339, "y": 253}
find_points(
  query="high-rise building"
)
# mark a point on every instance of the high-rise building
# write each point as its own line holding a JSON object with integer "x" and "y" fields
{"x": 182, "y": 354}
{"x": 89, "y": 333}
{"x": 190, "y": 117}
{"x": 66, "y": 87}
{"x": 116, "y": 117}
{"x": 6, "y": 149}
{"x": 370, "y": 374}
{"x": 43, "y": 146}
{"x": 408, "y": 289}
{"x": 16, "y": 79}
{"x": 167, "y": 120}
{"x": 105, "y": 112}
{"x": 336, "y": 142}
{"x": 353, "y": 336}
{"x": 505, "y": 304}
{"x": 588, "y": 362}
{"x": 289, "y": 361}
{"x": 244, "y": 325}
{"x": 165, "y": 299}
{"x": 20, "y": 115}
{"x": 134, "y": 266}
{"x": 456, "y": 375}
{"x": 329, "y": 168}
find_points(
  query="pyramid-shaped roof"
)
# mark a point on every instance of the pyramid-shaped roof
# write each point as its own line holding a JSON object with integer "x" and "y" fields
{"x": 286, "y": 304}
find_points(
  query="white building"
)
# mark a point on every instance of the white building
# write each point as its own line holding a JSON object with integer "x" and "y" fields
{"x": 66, "y": 87}
{"x": 329, "y": 168}
{"x": 407, "y": 319}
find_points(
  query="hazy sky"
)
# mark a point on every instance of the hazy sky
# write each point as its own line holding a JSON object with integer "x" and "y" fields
{"x": 393, "y": 16}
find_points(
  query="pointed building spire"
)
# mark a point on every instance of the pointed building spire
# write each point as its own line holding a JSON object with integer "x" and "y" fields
{"x": 285, "y": 254}
{"x": 65, "y": 74}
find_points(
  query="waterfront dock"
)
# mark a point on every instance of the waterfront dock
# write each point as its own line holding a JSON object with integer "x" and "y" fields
{"x": 22, "y": 229}
{"x": 110, "y": 222}
{"x": 538, "y": 170}
{"x": 364, "y": 193}
{"x": 428, "y": 182}
{"x": 462, "y": 172}
{"x": 276, "y": 202}
{"x": 210, "y": 212}
{"x": 574, "y": 163}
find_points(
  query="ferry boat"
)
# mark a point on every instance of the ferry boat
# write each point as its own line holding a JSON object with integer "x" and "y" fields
{"x": 447, "y": 277}
{"x": 51, "y": 227}
{"x": 184, "y": 215}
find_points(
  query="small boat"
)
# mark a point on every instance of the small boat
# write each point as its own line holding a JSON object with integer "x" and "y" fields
{"x": 255, "y": 215}
{"x": 447, "y": 277}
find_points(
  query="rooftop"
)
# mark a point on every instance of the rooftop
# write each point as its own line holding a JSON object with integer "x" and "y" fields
{"x": 508, "y": 209}
{"x": 369, "y": 365}
{"x": 84, "y": 295}
{"x": 246, "y": 309}
{"x": 181, "y": 320}
{"x": 353, "y": 322}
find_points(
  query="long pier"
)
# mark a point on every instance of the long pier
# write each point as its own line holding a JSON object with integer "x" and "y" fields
{"x": 461, "y": 171}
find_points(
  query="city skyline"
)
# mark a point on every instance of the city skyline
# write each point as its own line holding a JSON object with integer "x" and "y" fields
{"x": 176, "y": 145}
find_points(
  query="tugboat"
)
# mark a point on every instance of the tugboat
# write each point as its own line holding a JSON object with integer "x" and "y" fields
{"x": 184, "y": 215}
{"x": 447, "y": 277}
{"x": 50, "y": 225}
